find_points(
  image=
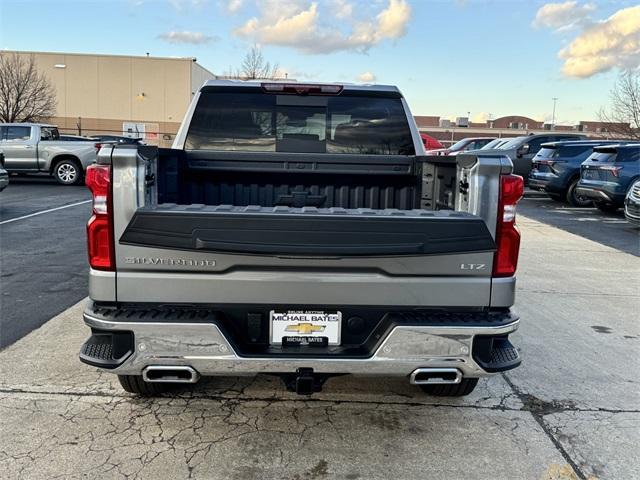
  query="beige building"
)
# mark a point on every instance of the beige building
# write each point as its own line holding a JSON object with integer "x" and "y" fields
{"x": 117, "y": 94}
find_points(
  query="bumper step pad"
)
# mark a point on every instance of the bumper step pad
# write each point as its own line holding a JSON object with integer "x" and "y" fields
{"x": 495, "y": 353}
{"x": 107, "y": 349}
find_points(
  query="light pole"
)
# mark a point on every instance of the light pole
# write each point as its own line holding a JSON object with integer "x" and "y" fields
{"x": 553, "y": 116}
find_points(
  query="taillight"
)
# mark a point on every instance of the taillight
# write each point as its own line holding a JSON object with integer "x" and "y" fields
{"x": 507, "y": 234}
{"x": 302, "y": 89}
{"x": 615, "y": 170}
{"x": 97, "y": 146}
{"x": 100, "y": 244}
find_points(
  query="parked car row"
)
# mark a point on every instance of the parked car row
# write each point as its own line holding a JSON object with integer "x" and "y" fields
{"x": 33, "y": 148}
{"x": 591, "y": 172}
{"x": 520, "y": 150}
{"x": 569, "y": 167}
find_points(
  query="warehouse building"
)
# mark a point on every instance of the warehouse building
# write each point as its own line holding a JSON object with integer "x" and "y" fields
{"x": 144, "y": 96}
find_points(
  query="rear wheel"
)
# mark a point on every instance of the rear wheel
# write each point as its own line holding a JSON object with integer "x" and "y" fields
{"x": 135, "y": 384}
{"x": 67, "y": 172}
{"x": 606, "y": 207}
{"x": 576, "y": 200}
{"x": 465, "y": 387}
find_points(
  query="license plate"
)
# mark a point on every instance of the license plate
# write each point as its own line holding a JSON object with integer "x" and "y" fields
{"x": 312, "y": 328}
{"x": 590, "y": 174}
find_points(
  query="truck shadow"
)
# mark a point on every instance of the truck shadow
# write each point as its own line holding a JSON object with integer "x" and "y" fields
{"x": 609, "y": 229}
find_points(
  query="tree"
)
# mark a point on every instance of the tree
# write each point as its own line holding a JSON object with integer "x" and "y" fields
{"x": 254, "y": 66}
{"x": 622, "y": 118}
{"x": 26, "y": 95}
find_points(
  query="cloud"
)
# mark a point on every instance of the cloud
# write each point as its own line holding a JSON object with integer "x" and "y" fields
{"x": 563, "y": 16}
{"x": 195, "y": 38}
{"x": 181, "y": 5}
{"x": 232, "y": 6}
{"x": 342, "y": 8}
{"x": 367, "y": 77}
{"x": 611, "y": 43}
{"x": 297, "y": 24}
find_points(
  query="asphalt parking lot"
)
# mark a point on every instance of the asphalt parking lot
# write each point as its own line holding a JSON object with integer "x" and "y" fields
{"x": 43, "y": 258}
{"x": 569, "y": 412}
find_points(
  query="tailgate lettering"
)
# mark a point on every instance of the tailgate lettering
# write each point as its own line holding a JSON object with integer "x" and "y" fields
{"x": 183, "y": 262}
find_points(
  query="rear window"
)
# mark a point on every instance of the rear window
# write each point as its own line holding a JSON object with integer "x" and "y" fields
{"x": 603, "y": 157}
{"x": 546, "y": 152}
{"x": 573, "y": 150}
{"x": 259, "y": 122}
{"x": 14, "y": 132}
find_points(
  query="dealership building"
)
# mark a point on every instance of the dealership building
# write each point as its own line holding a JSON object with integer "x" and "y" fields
{"x": 141, "y": 96}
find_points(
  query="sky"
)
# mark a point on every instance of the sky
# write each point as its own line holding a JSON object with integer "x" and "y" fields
{"x": 484, "y": 58}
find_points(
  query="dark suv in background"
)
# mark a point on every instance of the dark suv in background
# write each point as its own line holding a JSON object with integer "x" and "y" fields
{"x": 607, "y": 175}
{"x": 556, "y": 169}
{"x": 521, "y": 150}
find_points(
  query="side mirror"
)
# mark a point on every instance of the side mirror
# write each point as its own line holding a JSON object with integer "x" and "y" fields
{"x": 523, "y": 150}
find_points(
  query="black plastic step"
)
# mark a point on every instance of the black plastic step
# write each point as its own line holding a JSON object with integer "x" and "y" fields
{"x": 107, "y": 349}
{"x": 495, "y": 353}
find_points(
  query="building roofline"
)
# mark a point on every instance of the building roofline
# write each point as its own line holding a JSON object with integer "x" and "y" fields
{"x": 150, "y": 57}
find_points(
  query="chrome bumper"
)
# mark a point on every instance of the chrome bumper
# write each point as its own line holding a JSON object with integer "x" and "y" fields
{"x": 203, "y": 347}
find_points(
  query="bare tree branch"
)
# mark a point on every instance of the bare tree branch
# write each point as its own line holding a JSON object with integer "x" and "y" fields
{"x": 25, "y": 94}
{"x": 622, "y": 118}
{"x": 254, "y": 66}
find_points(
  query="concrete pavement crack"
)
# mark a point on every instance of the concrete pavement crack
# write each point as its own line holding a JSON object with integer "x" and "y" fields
{"x": 528, "y": 405}
{"x": 538, "y": 415}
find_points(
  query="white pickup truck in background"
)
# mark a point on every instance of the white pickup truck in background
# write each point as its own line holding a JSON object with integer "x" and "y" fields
{"x": 37, "y": 148}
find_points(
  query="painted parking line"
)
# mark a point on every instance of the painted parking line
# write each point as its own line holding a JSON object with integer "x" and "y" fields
{"x": 42, "y": 212}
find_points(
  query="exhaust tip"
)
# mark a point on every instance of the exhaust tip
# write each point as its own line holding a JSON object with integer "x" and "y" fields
{"x": 435, "y": 376}
{"x": 170, "y": 374}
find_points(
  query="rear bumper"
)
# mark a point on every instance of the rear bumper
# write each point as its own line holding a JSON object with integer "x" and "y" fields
{"x": 549, "y": 182}
{"x": 538, "y": 182}
{"x": 597, "y": 195}
{"x": 473, "y": 343}
{"x": 603, "y": 192}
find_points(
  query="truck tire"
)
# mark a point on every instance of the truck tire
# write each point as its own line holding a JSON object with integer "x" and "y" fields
{"x": 465, "y": 387}
{"x": 135, "y": 384}
{"x": 576, "y": 200}
{"x": 606, "y": 207}
{"x": 67, "y": 171}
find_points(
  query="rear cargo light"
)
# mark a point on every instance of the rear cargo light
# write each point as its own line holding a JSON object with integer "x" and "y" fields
{"x": 100, "y": 244}
{"x": 507, "y": 234}
{"x": 302, "y": 89}
{"x": 615, "y": 170}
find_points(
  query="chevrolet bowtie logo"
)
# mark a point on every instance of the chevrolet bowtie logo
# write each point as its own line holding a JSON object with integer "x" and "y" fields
{"x": 305, "y": 328}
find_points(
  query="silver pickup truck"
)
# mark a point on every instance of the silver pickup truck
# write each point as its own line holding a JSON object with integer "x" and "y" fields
{"x": 301, "y": 230}
{"x": 37, "y": 148}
